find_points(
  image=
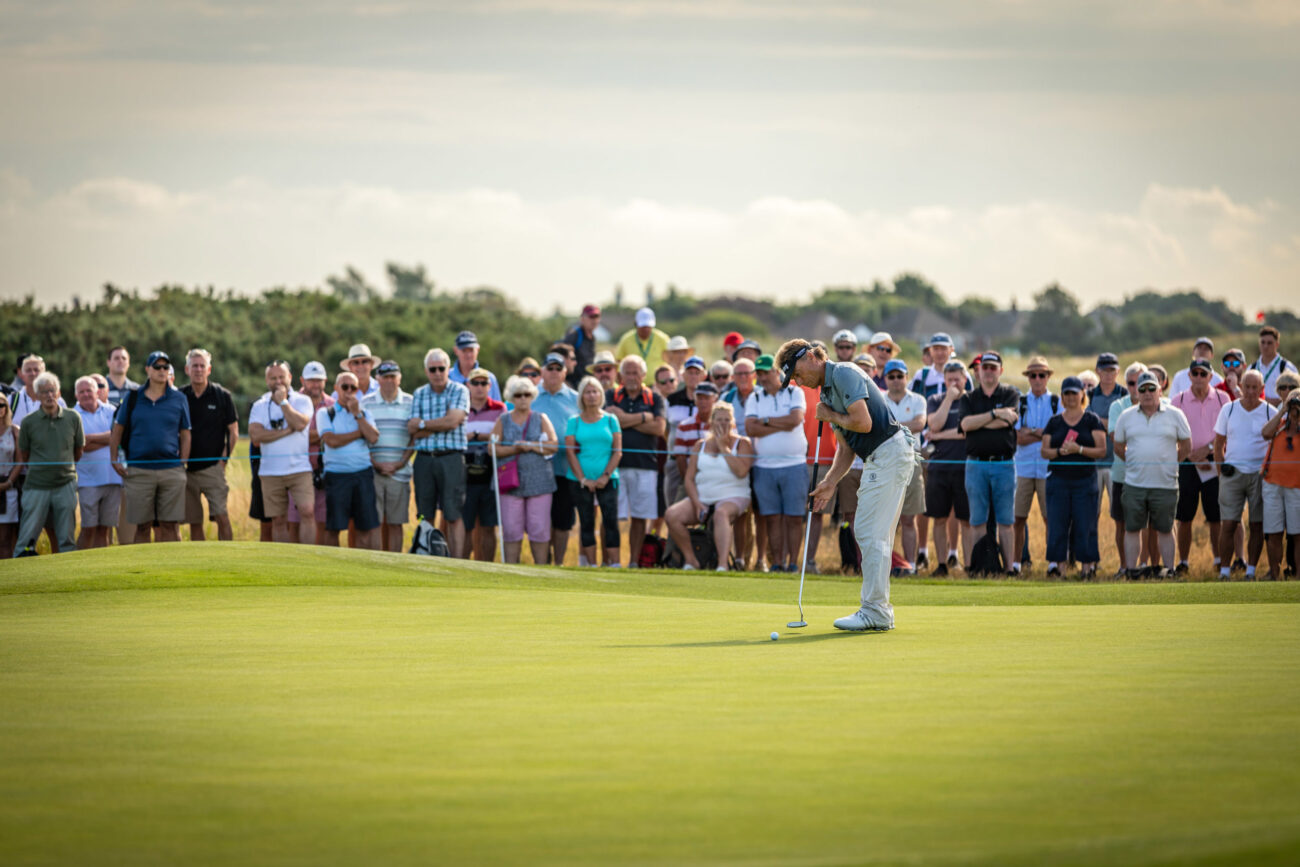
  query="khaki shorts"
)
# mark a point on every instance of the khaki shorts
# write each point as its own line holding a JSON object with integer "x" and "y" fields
{"x": 1026, "y": 489}
{"x": 210, "y": 482}
{"x": 1236, "y": 492}
{"x": 914, "y": 499}
{"x": 154, "y": 495}
{"x": 846, "y": 494}
{"x": 100, "y": 505}
{"x": 277, "y": 489}
{"x": 392, "y": 499}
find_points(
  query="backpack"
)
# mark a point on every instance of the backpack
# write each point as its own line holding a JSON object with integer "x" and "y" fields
{"x": 986, "y": 556}
{"x": 651, "y": 555}
{"x": 428, "y": 540}
{"x": 850, "y": 554}
{"x": 702, "y": 544}
{"x": 1024, "y": 406}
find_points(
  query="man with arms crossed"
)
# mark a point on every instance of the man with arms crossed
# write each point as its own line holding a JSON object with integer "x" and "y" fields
{"x": 863, "y": 425}
{"x": 213, "y": 436}
{"x": 1239, "y": 451}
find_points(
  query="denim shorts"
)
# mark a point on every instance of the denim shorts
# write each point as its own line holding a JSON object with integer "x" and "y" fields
{"x": 781, "y": 491}
{"x": 991, "y": 486}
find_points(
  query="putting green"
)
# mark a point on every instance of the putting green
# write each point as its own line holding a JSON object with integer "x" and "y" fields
{"x": 244, "y": 703}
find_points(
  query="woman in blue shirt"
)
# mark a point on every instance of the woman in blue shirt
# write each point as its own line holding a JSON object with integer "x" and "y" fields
{"x": 593, "y": 443}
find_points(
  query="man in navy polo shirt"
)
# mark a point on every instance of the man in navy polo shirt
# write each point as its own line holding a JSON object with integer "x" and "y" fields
{"x": 640, "y": 413}
{"x": 152, "y": 426}
{"x": 988, "y": 417}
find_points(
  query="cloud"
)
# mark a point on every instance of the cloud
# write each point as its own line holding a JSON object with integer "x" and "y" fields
{"x": 250, "y": 234}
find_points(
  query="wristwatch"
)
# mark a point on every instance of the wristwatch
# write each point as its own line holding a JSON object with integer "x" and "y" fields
{"x": 421, "y": 424}
{"x": 767, "y": 419}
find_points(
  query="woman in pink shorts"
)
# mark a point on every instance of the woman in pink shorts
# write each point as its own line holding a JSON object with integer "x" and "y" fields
{"x": 525, "y": 440}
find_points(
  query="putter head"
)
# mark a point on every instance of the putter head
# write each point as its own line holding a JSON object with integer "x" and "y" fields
{"x": 797, "y": 624}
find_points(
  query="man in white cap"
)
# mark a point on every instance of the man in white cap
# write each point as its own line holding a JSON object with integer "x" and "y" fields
{"x": 882, "y": 348}
{"x": 644, "y": 341}
{"x": 313, "y": 379}
{"x": 360, "y": 363}
{"x": 846, "y": 345}
{"x": 466, "y": 350}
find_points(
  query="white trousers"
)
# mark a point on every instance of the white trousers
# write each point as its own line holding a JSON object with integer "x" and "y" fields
{"x": 885, "y": 477}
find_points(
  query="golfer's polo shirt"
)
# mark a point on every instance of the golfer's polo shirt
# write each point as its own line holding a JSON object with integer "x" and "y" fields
{"x": 1151, "y": 445}
{"x": 155, "y": 427}
{"x": 844, "y": 385}
{"x": 51, "y": 443}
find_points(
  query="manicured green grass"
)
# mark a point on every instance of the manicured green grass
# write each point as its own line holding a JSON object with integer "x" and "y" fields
{"x": 271, "y": 704}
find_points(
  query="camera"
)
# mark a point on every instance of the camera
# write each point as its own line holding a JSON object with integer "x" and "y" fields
{"x": 1228, "y": 471}
{"x": 277, "y": 424}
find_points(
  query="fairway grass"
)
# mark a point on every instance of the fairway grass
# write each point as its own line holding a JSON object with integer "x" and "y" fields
{"x": 244, "y": 703}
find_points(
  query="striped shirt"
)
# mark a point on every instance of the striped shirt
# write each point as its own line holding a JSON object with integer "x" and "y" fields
{"x": 428, "y": 404}
{"x": 390, "y": 419}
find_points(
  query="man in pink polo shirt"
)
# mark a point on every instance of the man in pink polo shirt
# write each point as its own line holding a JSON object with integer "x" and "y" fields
{"x": 1197, "y": 476}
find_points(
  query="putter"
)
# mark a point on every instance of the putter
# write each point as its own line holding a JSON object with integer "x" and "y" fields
{"x": 807, "y": 530}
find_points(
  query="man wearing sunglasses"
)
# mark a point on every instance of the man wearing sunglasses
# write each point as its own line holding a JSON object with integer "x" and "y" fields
{"x": 1239, "y": 451}
{"x": 1203, "y": 349}
{"x": 989, "y": 413}
{"x": 1036, "y": 410}
{"x": 437, "y": 425}
{"x": 1146, "y": 555}
{"x": 155, "y": 422}
{"x": 1281, "y": 474}
{"x": 1234, "y": 365}
{"x": 347, "y": 430}
{"x": 1198, "y": 478}
{"x": 1152, "y": 438}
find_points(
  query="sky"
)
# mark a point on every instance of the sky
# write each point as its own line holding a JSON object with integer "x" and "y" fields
{"x": 555, "y": 148}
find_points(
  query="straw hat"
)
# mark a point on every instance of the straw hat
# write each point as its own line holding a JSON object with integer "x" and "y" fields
{"x": 1038, "y": 363}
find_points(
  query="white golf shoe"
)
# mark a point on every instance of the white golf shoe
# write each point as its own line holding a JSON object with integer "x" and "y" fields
{"x": 859, "y": 621}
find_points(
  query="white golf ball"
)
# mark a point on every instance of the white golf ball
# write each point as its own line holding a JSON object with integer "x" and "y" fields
{"x": 775, "y": 636}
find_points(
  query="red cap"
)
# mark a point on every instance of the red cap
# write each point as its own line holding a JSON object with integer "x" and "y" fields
{"x": 591, "y": 310}
{"x": 735, "y": 338}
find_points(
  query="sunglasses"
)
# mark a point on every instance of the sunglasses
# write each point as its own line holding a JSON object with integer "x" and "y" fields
{"x": 665, "y": 381}
{"x": 559, "y": 367}
{"x": 1147, "y": 389}
{"x": 884, "y": 347}
{"x": 1039, "y": 375}
{"x": 161, "y": 366}
{"x": 346, "y": 388}
{"x": 532, "y": 374}
{"x": 599, "y": 370}
{"x": 353, "y": 362}
{"x": 1199, "y": 374}
{"x": 721, "y": 376}
{"x": 1282, "y": 388}
{"x": 895, "y": 376}
{"x": 479, "y": 383}
{"x": 1232, "y": 363}
{"x": 437, "y": 368}
{"x": 1132, "y": 383}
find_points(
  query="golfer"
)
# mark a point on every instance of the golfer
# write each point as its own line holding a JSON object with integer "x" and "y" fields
{"x": 864, "y": 426}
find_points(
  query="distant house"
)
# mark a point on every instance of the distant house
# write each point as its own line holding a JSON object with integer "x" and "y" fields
{"x": 814, "y": 325}
{"x": 996, "y": 329}
{"x": 918, "y": 324}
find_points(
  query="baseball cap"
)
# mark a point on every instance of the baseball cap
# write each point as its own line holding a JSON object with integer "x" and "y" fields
{"x": 1201, "y": 362}
{"x": 866, "y": 358}
{"x": 895, "y": 364}
{"x": 844, "y": 335}
{"x": 764, "y": 362}
{"x": 749, "y": 344}
{"x": 387, "y": 367}
{"x": 156, "y": 356}
{"x": 466, "y": 339}
{"x": 695, "y": 361}
{"x": 1204, "y": 341}
{"x": 940, "y": 339}
{"x": 1108, "y": 359}
{"x": 953, "y": 365}
{"x": 554, "y": 358}
{"x": 479, "y": 373}
{"x": 1071, "y": 383}
{"x": 591, "y": 310}
{"x": 990, "y": 357}
{"x": 645, "y": 318}
{"x": 1145, "y": 377}
{"x": 706, "y": 387}
{"x": 1231, "y": 353}
{"x": 733, "y": 339}
{"x": 314, "y": 370}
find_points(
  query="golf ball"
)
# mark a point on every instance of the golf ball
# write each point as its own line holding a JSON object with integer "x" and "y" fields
{"x": 775, "y": 636}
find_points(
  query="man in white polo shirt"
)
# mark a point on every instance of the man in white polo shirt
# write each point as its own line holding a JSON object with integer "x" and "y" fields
{"x": 908, "y": 409}
{"x": 774, "y": 421}
{"x": 1239, "y": 450}
{"x": 278, "y": 424}
{"x": 1151, "y": 438}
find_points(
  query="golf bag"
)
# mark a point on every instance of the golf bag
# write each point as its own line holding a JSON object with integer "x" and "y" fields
{"x": 651, "y": 555}
{"x": 986, "y": 556}
{"x": 428, "y": 540}
{"x": 850, "y": 553}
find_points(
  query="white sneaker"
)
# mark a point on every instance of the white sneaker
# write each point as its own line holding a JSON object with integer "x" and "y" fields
{"x": 859, "y": 622}
{"x": 721, "y": 569}
{"x": 687, "y": 567}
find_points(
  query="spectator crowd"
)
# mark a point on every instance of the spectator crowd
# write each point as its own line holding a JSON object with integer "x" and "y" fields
{"x": 652, "y": 436}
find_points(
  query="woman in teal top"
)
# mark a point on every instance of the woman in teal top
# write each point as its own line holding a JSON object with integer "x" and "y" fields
{"x": 593, "y": 444}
